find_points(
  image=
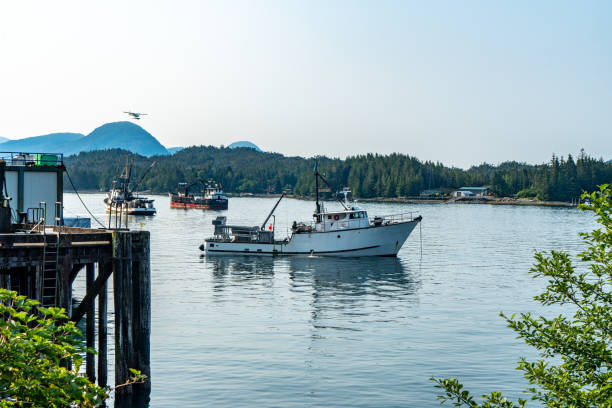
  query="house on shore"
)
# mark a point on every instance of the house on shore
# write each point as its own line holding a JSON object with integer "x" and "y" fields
{"x": 471, "y": 192}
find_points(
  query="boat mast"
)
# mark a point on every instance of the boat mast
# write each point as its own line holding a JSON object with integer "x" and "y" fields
{"x": 316, "y": 174}
{"x": 263, "y": 226}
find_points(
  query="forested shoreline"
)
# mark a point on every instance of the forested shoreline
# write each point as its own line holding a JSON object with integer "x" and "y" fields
{"x": 244, "y": 170}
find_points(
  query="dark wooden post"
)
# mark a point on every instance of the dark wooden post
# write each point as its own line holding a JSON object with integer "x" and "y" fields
{"x": 132, "y": 293}
{"x": 142, "y": 307}
{"x": 90, "y": 362}
{"x": 122, "y": 282}
{"x": 64, "y": 286}
{"x": 102, "y": 327}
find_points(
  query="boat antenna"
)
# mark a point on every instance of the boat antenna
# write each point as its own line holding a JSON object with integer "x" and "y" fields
{"x": 127, "y": 176}
{"x": 317, "y": 175}
{"x": 330, "y": 187}
{"x": 263, "y": 226}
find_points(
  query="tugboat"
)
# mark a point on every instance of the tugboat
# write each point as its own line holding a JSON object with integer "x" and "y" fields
{"x": 346, "y": 232}
{"x": 122, "y": 198}
{"x": 212, "y": 199}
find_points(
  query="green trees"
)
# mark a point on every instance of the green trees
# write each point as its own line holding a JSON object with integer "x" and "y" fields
{"x": 575, "y": 369}
{"x": 33, "y": 350}
{"x": 370, "y": 175}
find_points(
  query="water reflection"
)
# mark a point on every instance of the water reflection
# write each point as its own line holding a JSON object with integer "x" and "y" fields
{"x": 355, "y": 277}
{"x": 228, "y": 272}
{"x": 351, "y": 295}
{"x": 136, "y": 399}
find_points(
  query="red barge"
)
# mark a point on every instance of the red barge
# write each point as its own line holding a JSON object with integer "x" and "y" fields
{"x": 212, "y": 198}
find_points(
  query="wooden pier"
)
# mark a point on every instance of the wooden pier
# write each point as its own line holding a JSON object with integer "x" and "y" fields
{"x": 42, "y": 263}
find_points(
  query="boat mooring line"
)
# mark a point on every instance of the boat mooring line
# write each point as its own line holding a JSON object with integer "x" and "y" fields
{"x": 77, "y": 193}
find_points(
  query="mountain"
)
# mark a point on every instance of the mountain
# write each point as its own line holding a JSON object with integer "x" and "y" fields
{"x": 4, "y": 139}
{"x": 118, "y": 135}
{"x": 53, "y": 142}
{"x": 244, "y": 143}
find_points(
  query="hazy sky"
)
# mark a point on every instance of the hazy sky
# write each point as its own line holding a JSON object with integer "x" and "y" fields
{"x": 456, "y": 82}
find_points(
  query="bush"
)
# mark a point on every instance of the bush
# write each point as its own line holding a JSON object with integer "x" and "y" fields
{"x": 35, "y": 344}
{"x": 527, "y": 193}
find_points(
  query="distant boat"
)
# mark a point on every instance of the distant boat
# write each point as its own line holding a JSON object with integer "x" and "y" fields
{"x": 121, "y": 198}
{"x": 344, "y": 233}
{"x": 211, "y": 199}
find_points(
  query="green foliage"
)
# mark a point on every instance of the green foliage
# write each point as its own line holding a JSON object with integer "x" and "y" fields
{"x": 527, "y": 193}
{"x": 371, "y": 175}
{"x": 576, "y": 365}
{"x": 34, "y": 347}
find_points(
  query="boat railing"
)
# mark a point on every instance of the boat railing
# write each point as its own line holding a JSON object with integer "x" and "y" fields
{"x": 312, "y": 226}
{"x": 393, "y": 218}
{"x": 32, "y": 158}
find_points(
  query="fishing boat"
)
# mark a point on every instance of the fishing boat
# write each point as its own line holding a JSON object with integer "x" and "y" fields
{"x": 345, "y": 232}
{"x": 121, "y": 197}
{"x": 211, "y": 199}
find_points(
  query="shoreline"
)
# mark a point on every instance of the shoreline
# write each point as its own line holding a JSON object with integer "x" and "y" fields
{"x": 461, "y": 200}
{"x": 400, "y": 200}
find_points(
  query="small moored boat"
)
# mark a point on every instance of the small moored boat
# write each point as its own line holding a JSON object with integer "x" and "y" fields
{"x": 121, "y": 198}
{"x": 211, "y": 199}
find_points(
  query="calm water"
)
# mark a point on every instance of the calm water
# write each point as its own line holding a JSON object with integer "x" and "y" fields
{"x": 316, "y": 332}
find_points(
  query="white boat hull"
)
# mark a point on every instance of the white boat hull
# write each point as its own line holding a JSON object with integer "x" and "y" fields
{"x": 133, "y": 210}
{"x": 383, "y": 240}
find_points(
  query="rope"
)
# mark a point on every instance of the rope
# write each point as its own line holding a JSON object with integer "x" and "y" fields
{"x": 77, "y": 193}
{"x": 421, "y": 237}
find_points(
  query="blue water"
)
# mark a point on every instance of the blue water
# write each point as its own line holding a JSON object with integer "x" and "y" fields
{"x": 316, "y": 332}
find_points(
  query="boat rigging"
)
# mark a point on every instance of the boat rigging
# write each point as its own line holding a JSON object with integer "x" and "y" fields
{"x": 121, "y": 197}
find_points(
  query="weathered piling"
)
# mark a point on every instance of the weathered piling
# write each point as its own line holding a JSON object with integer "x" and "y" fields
{"x": 102, "y": 327}
{"x": 90, "y": 367}
{"x": 132, "y": 294}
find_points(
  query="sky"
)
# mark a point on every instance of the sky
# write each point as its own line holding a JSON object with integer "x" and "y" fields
{"x": 461, "y": 83}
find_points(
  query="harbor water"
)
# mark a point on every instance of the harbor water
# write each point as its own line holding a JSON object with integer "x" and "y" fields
{"x": 239, "y": 331}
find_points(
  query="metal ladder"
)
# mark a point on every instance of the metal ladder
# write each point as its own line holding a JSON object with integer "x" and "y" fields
{"x": 49, "y": 273}
{"x": 50, "y": 262}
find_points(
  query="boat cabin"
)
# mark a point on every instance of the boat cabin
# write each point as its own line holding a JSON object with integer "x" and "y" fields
{"x": 347, "y": 219}
{"x": 214, "y": 192}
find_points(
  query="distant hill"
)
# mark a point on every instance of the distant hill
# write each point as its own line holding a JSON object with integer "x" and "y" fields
{"x": 173, "y": 150}
{"x": 54, "y": 142}
{"x": 117, "y": 135}
{"x": 244, "y": 143}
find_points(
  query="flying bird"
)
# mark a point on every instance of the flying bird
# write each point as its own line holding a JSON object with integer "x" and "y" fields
{"x": 135, "y": 115}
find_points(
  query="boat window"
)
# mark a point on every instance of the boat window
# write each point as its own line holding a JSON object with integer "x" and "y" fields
{"x": 329, "y": 217}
